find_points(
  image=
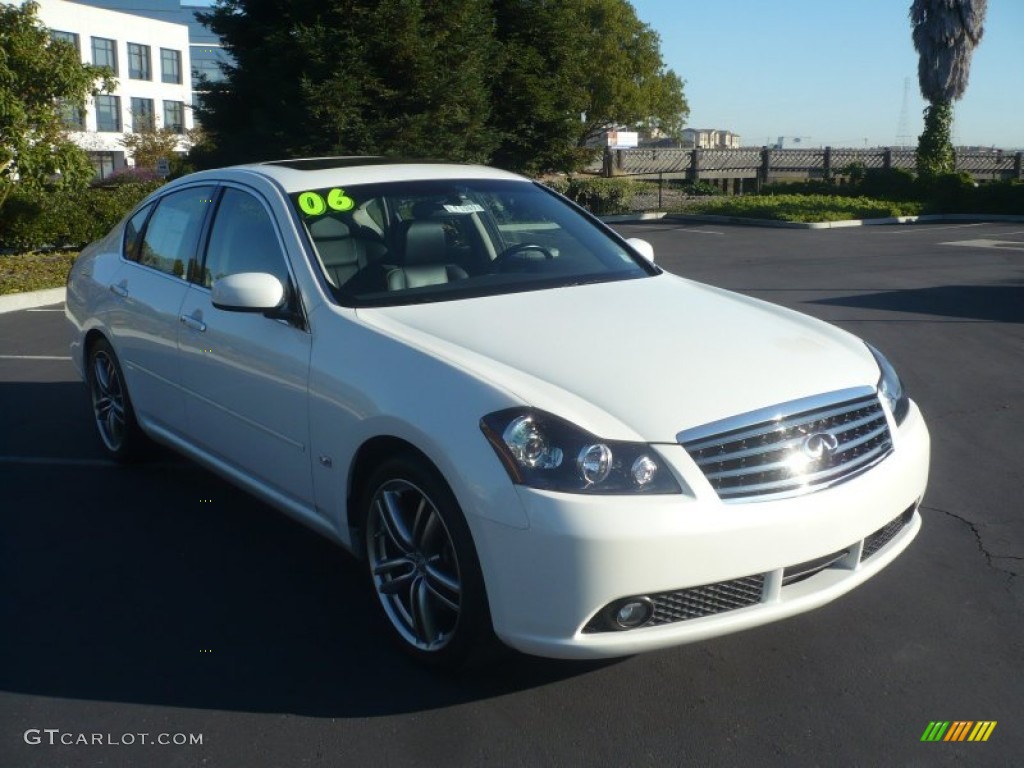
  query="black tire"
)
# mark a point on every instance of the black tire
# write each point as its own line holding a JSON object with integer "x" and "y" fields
{"x": 423, "y": 566}
{"x": 118, "y": 430}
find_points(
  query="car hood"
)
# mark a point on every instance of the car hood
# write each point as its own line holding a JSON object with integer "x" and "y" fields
{"x": 636, "y": 359}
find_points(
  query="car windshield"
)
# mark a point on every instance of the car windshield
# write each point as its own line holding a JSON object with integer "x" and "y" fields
{"x": 438, "y": 240}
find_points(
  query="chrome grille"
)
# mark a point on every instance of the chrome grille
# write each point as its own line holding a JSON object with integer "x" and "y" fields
{"x": 706, "y": 600}
{"x": 793, "y": 448}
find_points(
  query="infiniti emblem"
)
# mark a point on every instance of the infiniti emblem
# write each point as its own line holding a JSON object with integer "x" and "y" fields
{"x": 820, "y": 445}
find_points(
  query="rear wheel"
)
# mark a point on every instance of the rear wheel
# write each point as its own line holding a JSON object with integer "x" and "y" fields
{"x": 423, "y": 566}
{"x": 111, "y": 405}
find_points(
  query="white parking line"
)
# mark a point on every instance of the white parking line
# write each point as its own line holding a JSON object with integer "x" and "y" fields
{"x": 918, "y": 230}
{"x": 33, "y": 357}
{"x": 1011, "y": 245}
{"x": 44, "y": 310}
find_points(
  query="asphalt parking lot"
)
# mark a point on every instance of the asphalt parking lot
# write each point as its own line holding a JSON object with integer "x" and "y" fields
{"x": 160, "y": 600}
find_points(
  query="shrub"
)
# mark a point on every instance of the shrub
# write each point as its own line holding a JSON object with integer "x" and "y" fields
{"x": 597, "y": 194}
{"x": 1003, "y": 197}
{"x": 808, "y": 208}
{"x": 66, "y": 218}
{"x": 888, "y": 184}
{"x": 700, "y": 188}
{"x": 949, "y": 192}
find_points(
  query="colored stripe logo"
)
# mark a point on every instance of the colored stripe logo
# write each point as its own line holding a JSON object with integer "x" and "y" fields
{"x": 958, "y": 730}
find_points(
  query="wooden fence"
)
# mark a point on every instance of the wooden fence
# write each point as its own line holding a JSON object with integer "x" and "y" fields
{"x": 739, "y": 168}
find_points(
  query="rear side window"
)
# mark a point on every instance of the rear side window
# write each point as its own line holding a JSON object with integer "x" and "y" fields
{"x": 133, "y": 233}
{"x": 171, "y": 236}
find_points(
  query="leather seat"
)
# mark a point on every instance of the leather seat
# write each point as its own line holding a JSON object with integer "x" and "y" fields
{"x": 426, "y": 260}
{"x": 343, "y": 255}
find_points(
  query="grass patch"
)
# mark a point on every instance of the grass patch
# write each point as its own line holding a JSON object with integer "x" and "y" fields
{"x": 35, "y": 271}
{"x": 806, "y": 208}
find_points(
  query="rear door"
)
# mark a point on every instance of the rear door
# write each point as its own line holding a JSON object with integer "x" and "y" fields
{"x": 160, "y": 249}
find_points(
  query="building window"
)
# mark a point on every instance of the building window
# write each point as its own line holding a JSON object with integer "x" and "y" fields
{"x": 142, "y": 115}
{"x": 72, "y": 116}
{"x": 104, "y": 53}
{"x": 138, "y": 62}
{"x": 108, "y": 113}
{"x": 103, "y": 163}
{"x": 174, "y": 116}
{"x": 67, "y": 37}
{"x": 206, "y": 62}
{"x": 170, "y": 65}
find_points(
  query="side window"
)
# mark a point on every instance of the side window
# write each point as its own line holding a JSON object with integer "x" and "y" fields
{"x": 172, "y": 235}
{"x": 133, "y": 233}
{"x": 243, "y": 239}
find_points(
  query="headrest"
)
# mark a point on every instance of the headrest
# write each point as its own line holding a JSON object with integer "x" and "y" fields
{"x": 425, "y": 243}
{"x": 328, "y": 229}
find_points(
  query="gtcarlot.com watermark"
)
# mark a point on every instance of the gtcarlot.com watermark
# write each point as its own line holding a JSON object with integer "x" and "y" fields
{"x": 55, "y": 736}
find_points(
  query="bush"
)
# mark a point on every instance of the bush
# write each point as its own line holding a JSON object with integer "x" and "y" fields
{"x": 34, "y": 271}
{"x": 66, "y": 218}
{"x": 888, "y": 184}
{"x": 700, "y": 188}
{"x": 1002, "y": 197}
{"x": 599, "y": 195}
{"x": 808, "y": 208}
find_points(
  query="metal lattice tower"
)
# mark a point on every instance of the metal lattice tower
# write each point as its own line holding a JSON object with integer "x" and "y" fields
{"x": 903, "y": 135}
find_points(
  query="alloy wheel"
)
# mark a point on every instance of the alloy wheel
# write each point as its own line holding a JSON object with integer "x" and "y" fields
{"x": 108, "y": 400}
{"x": 414, "y": 565}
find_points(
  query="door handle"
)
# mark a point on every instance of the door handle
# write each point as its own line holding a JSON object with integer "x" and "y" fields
{"x": 119, "y": 290}
{"x": 193, "y": 323}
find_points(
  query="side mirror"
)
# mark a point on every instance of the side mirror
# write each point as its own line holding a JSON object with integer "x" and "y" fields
{"x": 642, "y": 247}
{"x": 248, "y": 292}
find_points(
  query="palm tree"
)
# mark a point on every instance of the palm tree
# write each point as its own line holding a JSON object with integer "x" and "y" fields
{"x": 945, "y": 33}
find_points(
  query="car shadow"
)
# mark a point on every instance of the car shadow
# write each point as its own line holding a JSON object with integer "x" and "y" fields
{"x": 162, "y": 584}
{"x": 1002, "y": 303}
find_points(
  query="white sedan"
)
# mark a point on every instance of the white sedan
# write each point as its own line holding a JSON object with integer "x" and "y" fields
{"x": 523, "y": 426}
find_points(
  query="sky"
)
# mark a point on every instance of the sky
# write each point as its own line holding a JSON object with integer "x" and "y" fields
{"x": 839, "y": 73}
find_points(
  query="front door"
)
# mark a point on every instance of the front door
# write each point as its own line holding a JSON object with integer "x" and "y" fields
{"x": 245, "y": 374}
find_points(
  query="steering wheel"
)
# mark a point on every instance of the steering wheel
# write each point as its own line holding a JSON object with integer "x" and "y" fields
{"x": 519, "y": 249}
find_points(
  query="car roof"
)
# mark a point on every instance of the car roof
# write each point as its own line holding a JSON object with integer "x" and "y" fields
{"x": 297, "y": 175}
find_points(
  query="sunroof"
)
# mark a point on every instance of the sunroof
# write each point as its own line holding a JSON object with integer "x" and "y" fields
{"x": 324, "y": 163}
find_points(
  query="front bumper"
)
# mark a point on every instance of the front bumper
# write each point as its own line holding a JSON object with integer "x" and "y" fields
{"x": 580, "y": 554}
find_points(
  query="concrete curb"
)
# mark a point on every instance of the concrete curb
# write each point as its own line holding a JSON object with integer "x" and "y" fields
{"x": 12, "y": 302}
{"x": 625, "y": 218}
{"x": 932, "y": 217}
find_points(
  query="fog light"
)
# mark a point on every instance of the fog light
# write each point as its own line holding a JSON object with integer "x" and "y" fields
{"x": 594, "y": 463}
{"x": 635, "y": 612}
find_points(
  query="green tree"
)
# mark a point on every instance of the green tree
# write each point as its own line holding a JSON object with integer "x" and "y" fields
{"x": 40, "y": 79}
{"x": 148, "y": 146}
{"x": 572, "y": 70}
{"x": 503, "y": 81}
{"x": 399, "y": 77}
{"x": 945, "y": 34}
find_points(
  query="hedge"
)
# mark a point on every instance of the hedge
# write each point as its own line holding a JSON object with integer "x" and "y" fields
{"x": 63, "y": 218}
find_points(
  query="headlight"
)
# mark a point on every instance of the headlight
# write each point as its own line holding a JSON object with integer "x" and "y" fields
{"x": 543, "y": 451}
{"x": 891, "y": 388}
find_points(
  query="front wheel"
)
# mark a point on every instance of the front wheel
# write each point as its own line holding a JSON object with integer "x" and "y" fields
{"x": 423, "y": 565}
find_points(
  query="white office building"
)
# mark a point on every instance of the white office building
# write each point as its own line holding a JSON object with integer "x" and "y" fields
{"x": 150, "y": 60}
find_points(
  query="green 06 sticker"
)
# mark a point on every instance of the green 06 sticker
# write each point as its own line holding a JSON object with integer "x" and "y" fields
{"x": 314, "y": 204}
